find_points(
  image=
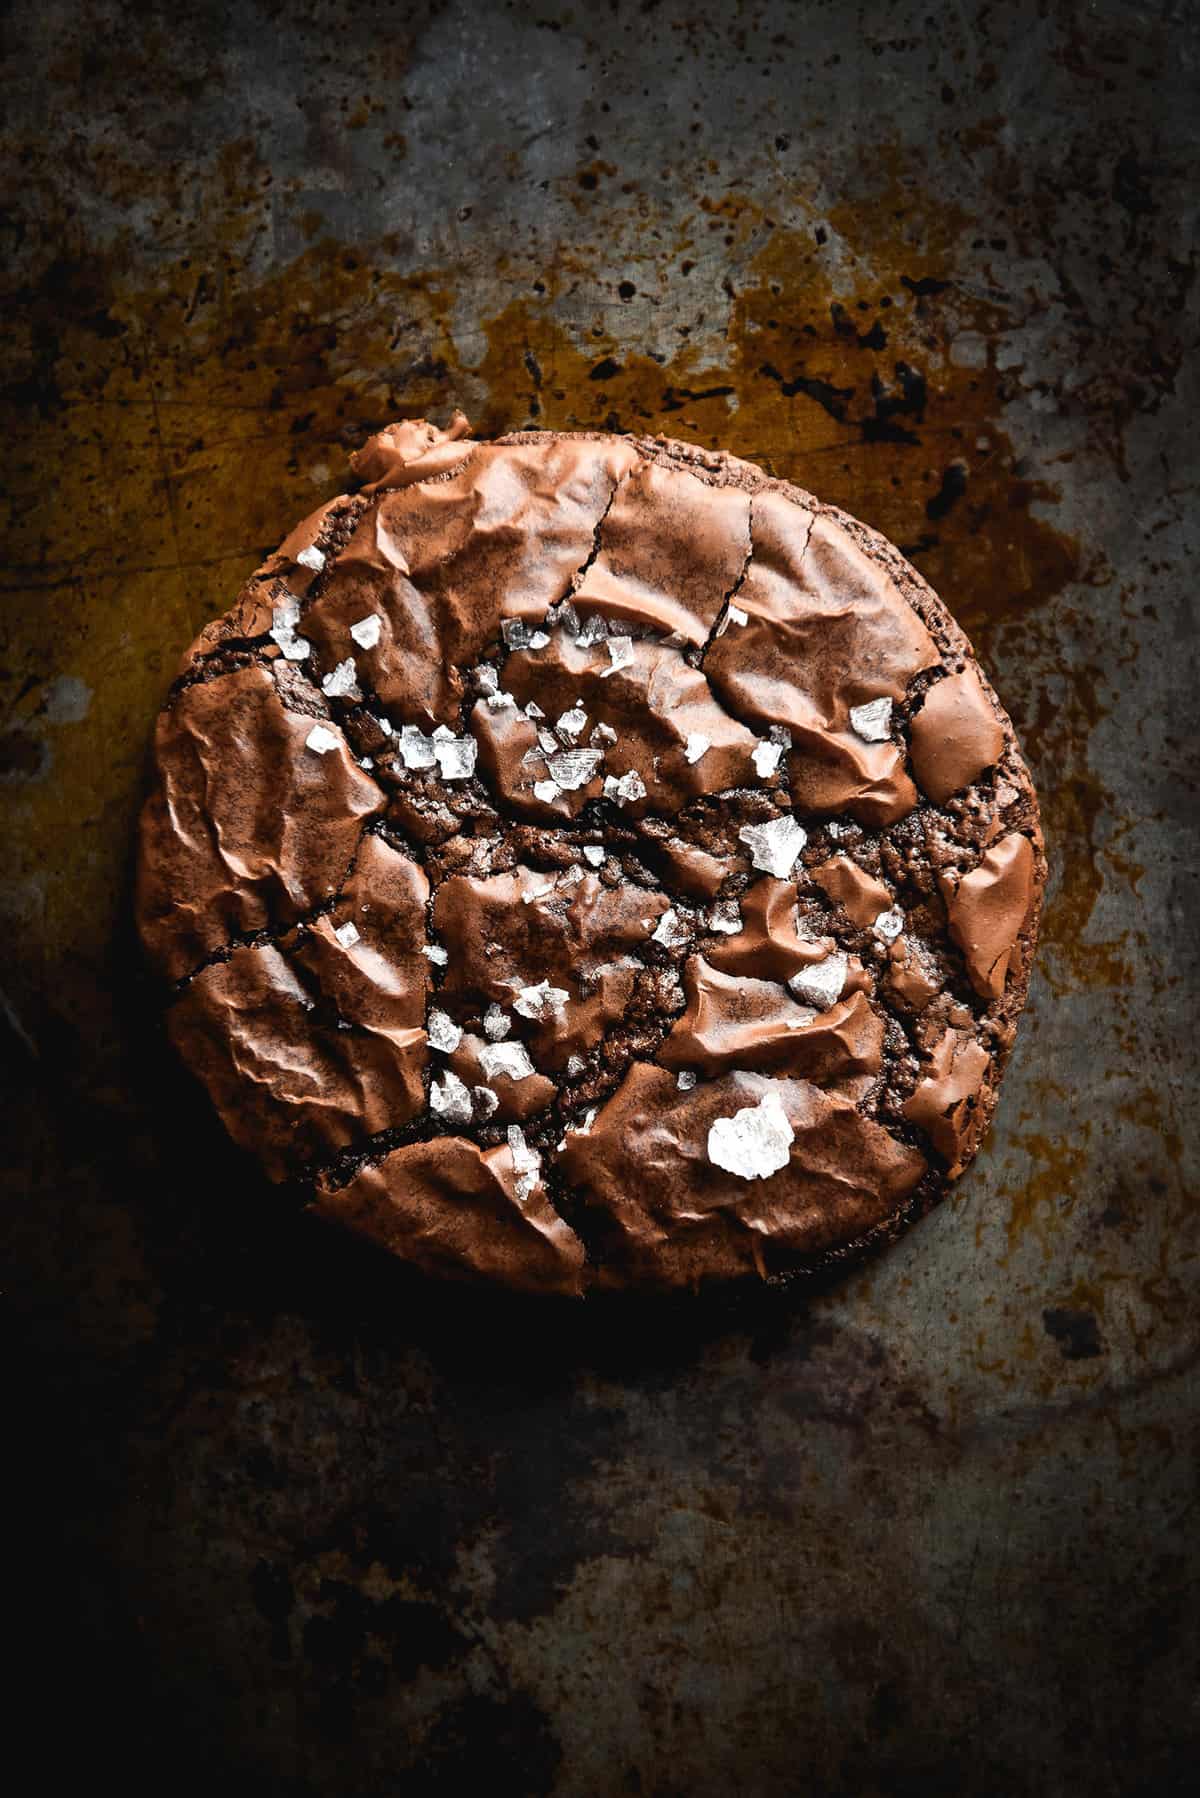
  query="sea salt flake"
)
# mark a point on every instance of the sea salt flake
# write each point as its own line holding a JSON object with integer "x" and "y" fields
{"x": 527, "y": 1163}
{"x": 511, "y": 1059}
{"x": 312, "y": 558}
{"x": 436, "y": 954}
{"x": 754, "y": 1143}
{"x": 626, "y": 791}
{"x": 574, "y": 768}
{"x": 547, "y": 791}
{"x": 576, "y": 1066}
{"x": 602, "y": 735}
{"x": 443, "y": 1033}
{"x": 889, "y": 924}
{"x": 534, "y": 711}
{"x": 564, "y": 615}
{"x": 571, "y": 723}
{"x": 341, "y": 684}
{"x": 347, "y": 935}
{"x": 671, "y": 931}
{"x": 726, "y": 917}
{"x": 500, "y": 702}
{"x": 774, "y": 847}
{"x": 450, "y": 1099}
{"x": 593, "y": 853}
{"x": 734, "y": 615}
{"x": 538, "y": 892}
{"x": 496, "y": 1024}
{"x": 366, "y": 761}
{"x": 518, "y": 635}
{"x": 540, "y": 1002}
{"x": 486, "y": 1100}
{"x": 620, "y": 650}
{"x": 366, "y": 631}
{"x": 548, "y": 742}
{"x": 766, "y": 758}
{"x": 696, "y": 746}
{"x": 416, "y": 749}
{"x": 455, "y": 755}
{"x": 685, "y": 1080}
{"x": 822, "y": 982}
{"x": 872, "y": 721}
{"x": 593, "y": 630}
{"x": 284, "y": 619}
{"x": 486, "y": 678}
{"x": 385, "y": 726}
{"x": 321, "y": 740}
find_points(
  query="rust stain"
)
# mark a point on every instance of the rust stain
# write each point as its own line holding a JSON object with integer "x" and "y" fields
{"x": 1060, "y": 1167}
{"x": 1146, "y": 1109}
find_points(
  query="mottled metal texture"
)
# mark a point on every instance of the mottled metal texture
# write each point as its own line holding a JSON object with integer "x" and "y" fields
{"x": 315, "y": 1529}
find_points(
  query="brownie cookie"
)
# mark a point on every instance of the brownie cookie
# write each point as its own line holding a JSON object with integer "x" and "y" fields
{"x": 590, "y": 863}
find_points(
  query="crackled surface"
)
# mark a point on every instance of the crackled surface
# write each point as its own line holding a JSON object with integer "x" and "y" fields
{"x": 589, "y": 862}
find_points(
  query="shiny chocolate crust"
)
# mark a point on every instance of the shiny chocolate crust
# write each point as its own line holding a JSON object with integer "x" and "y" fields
{"x": 587, "y": 863}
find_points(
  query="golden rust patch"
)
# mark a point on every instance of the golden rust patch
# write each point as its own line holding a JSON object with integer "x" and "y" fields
{"x": 1059, "y": 1166}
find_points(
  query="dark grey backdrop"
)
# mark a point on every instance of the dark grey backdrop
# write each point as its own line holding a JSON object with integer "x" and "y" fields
{"x": 300, "y": 1525}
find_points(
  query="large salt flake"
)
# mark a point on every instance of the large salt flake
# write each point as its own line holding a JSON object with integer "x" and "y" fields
{"x": 450, "y": 1099}
{"x": 671, "y": 931}
{"x": 774, "y": 847}
{"x": 822, "y": 982}
{"x": 496, "y": 1024}
{"x": 872, "y": 721}
{"x": 626, "y": 791}
{"x": 341, "y": 684}
{"x": 284, "y": 619}
{"x": 572, "y": 723}
{"x": 455, "y": 755}
{"x": 320, "y": 740}
{"x": 443, "y": 1032}
{"x": 366, "y": 632}
{"x": 540, "y": 1002}
{"x": 766, "y": 758}
{"x": 573, "y": 768}
{"x": 754, "y": 1143}
{"x": 527, "y": 1163}
{"x": 416, "y": 749}
{"x": 506, "y": 1058}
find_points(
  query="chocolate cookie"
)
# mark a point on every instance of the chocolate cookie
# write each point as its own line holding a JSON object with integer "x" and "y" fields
{"x": 591, "y": 863}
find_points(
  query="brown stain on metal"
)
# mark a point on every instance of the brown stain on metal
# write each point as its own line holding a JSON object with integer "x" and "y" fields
{"x": 1052, "y": 1188}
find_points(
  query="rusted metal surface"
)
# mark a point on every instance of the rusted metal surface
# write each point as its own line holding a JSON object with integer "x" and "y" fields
{"x": 317, "y": 1529}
